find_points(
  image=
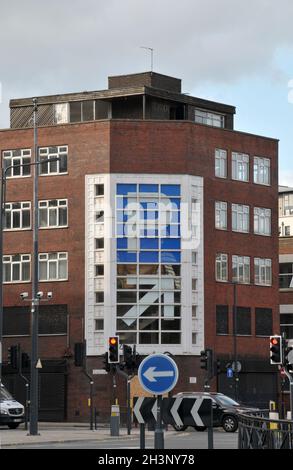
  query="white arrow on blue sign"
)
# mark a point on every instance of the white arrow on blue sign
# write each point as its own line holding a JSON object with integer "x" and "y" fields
{"x": 229, "y": 372}
{"x": 158, "y": 374}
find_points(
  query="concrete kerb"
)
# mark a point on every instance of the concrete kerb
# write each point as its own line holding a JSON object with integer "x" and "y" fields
{"x": 20, "y": 437}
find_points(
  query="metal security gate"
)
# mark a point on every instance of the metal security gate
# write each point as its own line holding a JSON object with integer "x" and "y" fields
{"x": 52, "y": 389}
{"x": 52, "y": 397}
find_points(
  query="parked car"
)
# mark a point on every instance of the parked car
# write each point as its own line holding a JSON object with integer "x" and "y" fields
{"x": 225, "y": 411}
{"x": 11, "y": 412}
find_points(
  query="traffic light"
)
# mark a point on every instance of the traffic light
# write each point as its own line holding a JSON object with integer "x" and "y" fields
{"x": 288, "y": 359}
{"x": 79, "y": 353}
{"x": 113, "y": 350}
{"x": 217, "y": 367}
{"x": 128, "y": 357}
{"x": 107, "y": 366}
{"x": 276, "y": 353}
{"x": 25, "y": 360}
{"x": 210, "y": 362}
{"x": 204, "y": 360}
{"x": 13, "y": 357}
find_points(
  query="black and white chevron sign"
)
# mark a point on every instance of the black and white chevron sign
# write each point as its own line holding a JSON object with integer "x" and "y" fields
{"x": 176, "y": 411}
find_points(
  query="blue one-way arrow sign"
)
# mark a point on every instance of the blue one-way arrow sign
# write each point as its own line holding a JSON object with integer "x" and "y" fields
{"x": 158, "y": 374}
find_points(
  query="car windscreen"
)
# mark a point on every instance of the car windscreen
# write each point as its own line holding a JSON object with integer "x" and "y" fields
{"x": 226, "y": 401}
{"x": 4, "y": 394}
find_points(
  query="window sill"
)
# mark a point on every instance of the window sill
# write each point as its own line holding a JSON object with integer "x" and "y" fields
{"x": 15, "y": 282}
{"x": 17, "y": 177}
{"x": 240, "y": 181}
{"x": 263, "y": 285}
{"x": 263, "y": 234}
{"x": 55, "y": 174}
{"x": 53, "y": 228}
{"x": 267, "y": 185}
{"x": 241, "y": 231}
{"x": 53, "y": 280}
{"x": 27, "y": 229}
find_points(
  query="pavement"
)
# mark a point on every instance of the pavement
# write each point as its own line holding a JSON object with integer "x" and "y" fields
{"x": 53, "y": 433}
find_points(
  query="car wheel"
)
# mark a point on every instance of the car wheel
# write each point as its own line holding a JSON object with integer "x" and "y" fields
{"x": 200, "y": 428}
{"x": 230, "y": 424}
{"x": 13, "y": 425}
{"x": 179, "y": 428}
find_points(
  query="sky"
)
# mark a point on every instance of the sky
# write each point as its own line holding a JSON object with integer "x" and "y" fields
{"x": 236, "y": 52}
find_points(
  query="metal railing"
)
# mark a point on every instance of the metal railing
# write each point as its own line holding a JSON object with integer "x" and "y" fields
{"x": 257, "y": 432}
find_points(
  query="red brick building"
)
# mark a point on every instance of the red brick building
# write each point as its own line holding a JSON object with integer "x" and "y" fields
{"x": 114, "y": 267}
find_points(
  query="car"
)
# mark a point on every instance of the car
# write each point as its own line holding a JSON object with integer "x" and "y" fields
{"x": 11, "y": 412}
{"x": 225, "y": 410}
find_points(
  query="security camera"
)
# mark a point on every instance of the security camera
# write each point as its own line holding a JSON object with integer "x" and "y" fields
{"x": 40, "y": 294}
{"x": 50, "y": 295}
{"x": 23, "y": 295}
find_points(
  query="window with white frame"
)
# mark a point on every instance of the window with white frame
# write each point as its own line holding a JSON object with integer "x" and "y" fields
{"x": 17, "y": 216}
{"x": 261, "y": 170}
{"x": 240, "y": 218}
{"x": 53, "y": 266}
{"x": 55, "y": 167}
{"x": 263, "y": 271}
{"x": 61, "y": 113}
{"x": 241, "y": 269}
{"x": 19, "y": 160}
{"x": 222, "y": 267}
{"x": 221, "y": 163}
{"x": 208, "y": 118}
{"x": 221, "y": 215}
{"x": 262, "y": 221}
{"x": 16, "y": 268}
{"x": 53, "y": 213}
{"x": 240, "y": 166}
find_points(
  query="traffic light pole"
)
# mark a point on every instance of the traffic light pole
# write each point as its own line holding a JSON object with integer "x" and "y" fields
{"x": 235, "y": 328}
{"x": 126, "y": 377}
{"x": 34, "y": 398}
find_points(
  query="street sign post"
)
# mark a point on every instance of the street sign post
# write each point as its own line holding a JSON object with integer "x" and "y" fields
{"x": 158, "y": 374}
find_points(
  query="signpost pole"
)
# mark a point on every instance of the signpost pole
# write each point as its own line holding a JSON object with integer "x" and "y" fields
{"x": 142, "y": 435}
{"x": 159, "y": 431}
{"x": 210, "y": 428}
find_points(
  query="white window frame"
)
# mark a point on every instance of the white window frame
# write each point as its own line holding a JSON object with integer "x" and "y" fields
{"x": 242, "y": 266}
{"x": 262, "y": 171}
{"x": 222, "y": 267}
{"x": 45, "y": 205}
{"x": 221, "y": 209}
{"x": 8, "y": 259}
{"x": 240, "y": 167}
{"x": 240, "y": 218}
{"x": 202, "y": 116}
{"x": 24, "y": 154}
{"x": 61, "y": 113}
{"x": 262, "y": 221}
{"x": 45, "y": 154}
{"x": 45, "y": 258}
{"x": 9, "y": 208}
{"x": 221, "y": 163}
{"x": 263, "y": 271}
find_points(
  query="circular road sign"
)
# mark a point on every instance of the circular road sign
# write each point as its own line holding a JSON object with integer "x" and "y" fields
{"x": 158, "y": 374}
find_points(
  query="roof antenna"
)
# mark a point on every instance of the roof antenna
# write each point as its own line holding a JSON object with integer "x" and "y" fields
{"x": 152, "y": 55}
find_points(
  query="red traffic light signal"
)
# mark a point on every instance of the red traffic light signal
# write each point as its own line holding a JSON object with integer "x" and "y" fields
{"x": 276, "y": 352}
{"x": 113, "y": 356}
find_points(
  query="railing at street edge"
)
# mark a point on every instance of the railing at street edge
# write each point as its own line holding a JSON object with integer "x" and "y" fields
{"x": 256, "y": 432}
